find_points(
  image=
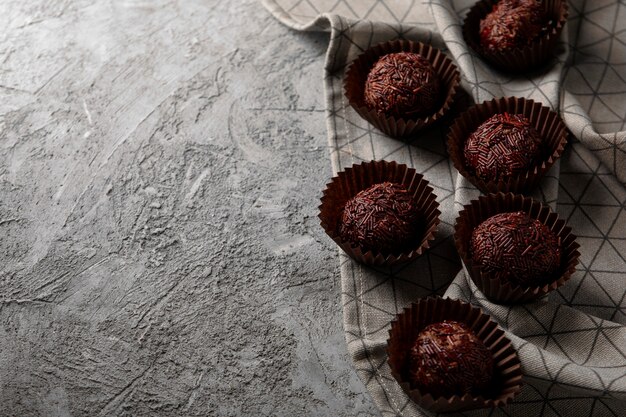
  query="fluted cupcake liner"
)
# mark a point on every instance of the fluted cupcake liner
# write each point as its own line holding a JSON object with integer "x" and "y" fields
{"x": 398, "y": 127}
{"x": 359, "y": 177}
{"x": 405, "y": 328}
{"x": 522, "y": 59}
{"x": 494, "y": 289}
{"x": 549, "y": 125}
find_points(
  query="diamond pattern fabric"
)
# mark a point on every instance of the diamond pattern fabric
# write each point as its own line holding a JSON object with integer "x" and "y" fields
{"x": 572, "y": 344}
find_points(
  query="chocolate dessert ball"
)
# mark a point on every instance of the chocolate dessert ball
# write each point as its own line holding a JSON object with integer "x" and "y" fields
{"x": 448, "y": 358}
{"x": 504, "y": 145}
{"x": 382, "y": 218}
{"x": 516, "y": 248}
{"x": 402, "y": 84}
{"x": 512, "y": 24}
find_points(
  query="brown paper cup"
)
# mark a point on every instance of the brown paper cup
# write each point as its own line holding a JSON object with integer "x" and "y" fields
{"x": 507, "y": 381}
{"x": 480, "y": 210}
{"x": 519, "y": 59}
{"x": 549, "y": 125}
{"x": 350, "y": 182}
{"x": 354, "y": 85}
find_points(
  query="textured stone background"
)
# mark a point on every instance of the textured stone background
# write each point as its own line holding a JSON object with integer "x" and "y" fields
{"x": 160, "y": 168}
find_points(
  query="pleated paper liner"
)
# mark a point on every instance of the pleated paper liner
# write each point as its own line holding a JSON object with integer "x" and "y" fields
{"x": 359, "y": 177}
{"x": 517, "y": 60}
{"x": 549, "y": 125}
{"x": 507, "y": 381}
{"x": 398, "y": 127}
{"x": 495, "y": 290}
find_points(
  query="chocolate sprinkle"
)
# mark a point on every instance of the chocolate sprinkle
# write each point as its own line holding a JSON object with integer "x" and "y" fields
{"x": 402, "y": 84}
{"x": 504, "y": 145}
{"x": 512, "y": 24}
{"x": 516, "y": 248}
{"x": 381, "y": 218}
{"x": 448, "y": 359}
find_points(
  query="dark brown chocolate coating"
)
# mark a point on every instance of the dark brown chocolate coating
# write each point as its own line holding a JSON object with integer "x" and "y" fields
{"x": 448, "y": 359}
{"x": 402, "y": 84}
{"x": 512, "y": 24}
{"x": 383, "y": 218}
{"x": 516, "y": 248}
{"x": 502, "y": 146}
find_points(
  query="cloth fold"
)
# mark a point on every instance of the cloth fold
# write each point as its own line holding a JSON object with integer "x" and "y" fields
{"x": 573, "y": 343}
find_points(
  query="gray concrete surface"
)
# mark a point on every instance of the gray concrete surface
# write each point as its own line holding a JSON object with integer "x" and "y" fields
{"x": 160, "y": 169}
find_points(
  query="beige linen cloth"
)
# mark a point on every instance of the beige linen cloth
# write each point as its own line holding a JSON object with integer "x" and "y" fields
{"x": 573, "y": 344}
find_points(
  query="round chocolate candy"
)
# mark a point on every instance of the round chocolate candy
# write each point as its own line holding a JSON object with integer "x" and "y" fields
{"x": 402, "y": 84}
{"x": 382, "y": 218}
{"x": 449, "y": 359}
{"x": 504, "y": 145}
{"x": 516, "y": 248}
{"x": 512, "y": 24}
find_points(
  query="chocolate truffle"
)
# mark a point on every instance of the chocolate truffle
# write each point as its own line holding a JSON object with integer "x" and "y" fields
{"x": 504, "y": 145}
{"x": 511, "y": 24}
{"x": 402, "y": 84}
{"x": 516, "y": 248}
{"x": 448, "y": 359}
{"x": 382, "y": 218}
